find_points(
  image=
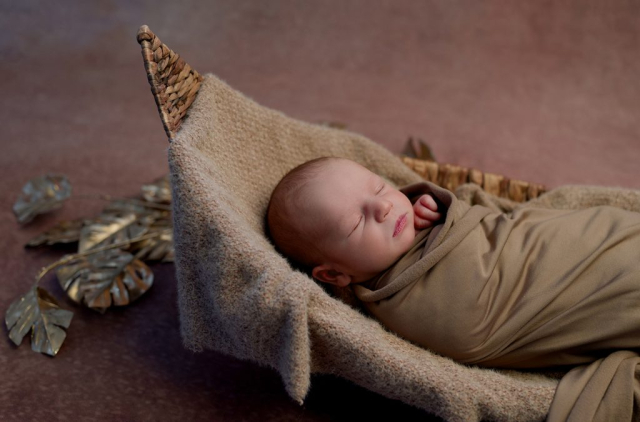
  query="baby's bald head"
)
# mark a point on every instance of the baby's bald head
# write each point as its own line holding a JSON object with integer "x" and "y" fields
{"x": 285, "y": 208}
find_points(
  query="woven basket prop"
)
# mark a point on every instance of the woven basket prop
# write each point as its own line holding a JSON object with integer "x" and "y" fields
{"x": 238, "y": 296}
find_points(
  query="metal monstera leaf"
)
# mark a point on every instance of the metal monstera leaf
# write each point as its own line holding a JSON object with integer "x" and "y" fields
{"x": 142, "y": 208}
{"x": 159, "y": 248}
{"x": 109, "y": 278}
{"x": 63, "y": 232}
{"x": 417, "y": 148}
{"x": 107, "y": 270}
{"x": 40, "y": 195}
{"x": 333, "y": 124}
{"x": 113, "y": 228}
{"x": 158, "y": 191}
{"x": 37, "y": 311}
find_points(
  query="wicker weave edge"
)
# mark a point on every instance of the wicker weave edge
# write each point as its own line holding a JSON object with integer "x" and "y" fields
{"x": 174, "y": 84}
{"x": 450, "y": 176}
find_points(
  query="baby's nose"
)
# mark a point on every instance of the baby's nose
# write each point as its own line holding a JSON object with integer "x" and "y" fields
{"x": 382, "y": 209}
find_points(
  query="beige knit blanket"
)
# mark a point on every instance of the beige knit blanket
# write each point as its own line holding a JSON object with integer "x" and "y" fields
{"x": 238, "y": 296}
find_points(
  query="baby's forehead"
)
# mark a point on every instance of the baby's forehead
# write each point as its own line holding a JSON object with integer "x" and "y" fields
{"x": 348, "y": 178}
{"x": 343, "y": 166}
{"x": 336, "y": 189}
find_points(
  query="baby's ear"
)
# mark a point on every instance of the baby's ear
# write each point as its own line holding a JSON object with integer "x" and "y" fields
{"x": 327, "y": 274}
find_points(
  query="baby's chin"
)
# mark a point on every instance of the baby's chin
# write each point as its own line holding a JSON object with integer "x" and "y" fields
{"x": 392, "y": 260}
{"x": 371, "y": 272}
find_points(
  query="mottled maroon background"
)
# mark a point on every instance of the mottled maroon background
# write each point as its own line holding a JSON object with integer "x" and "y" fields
{"x": 540, "y": 91}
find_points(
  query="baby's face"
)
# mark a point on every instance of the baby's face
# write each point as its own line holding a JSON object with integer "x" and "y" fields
{"x": 366, "y": 224}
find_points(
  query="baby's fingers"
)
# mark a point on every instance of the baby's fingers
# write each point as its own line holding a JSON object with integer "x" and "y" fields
{"x": 426, "y": 213}
{"x": 429, "y": 202}
{"x": 421, "y": 223}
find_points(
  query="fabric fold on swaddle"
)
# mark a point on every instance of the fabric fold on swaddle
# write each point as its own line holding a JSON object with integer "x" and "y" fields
{"x": 606, "y": 390}
{"x": 460, "y": 219}
{"x": 533, "y": 288}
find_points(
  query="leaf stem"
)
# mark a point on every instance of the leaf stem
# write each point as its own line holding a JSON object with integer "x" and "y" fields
{"x": 112, "y": 198}
{"x": 71, "y": 257}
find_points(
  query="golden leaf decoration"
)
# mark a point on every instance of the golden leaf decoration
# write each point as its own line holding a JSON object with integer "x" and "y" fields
{"x": 108, "y": 278}
{"x": 39, "y": 312}
{"x": 141, "y": 208}
{"x": 335, "y": 125}
{"x": 157, "y": 248}
{"x": 40, "y": 195}
{"x": 159, "y": 191}
{"x": 113, "y": 228}
{"x": 63, "y": 232}
{"x": 417, "y": 148}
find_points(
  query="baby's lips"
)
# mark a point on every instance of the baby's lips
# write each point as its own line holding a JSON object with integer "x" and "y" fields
{"x": 400, "y": 223}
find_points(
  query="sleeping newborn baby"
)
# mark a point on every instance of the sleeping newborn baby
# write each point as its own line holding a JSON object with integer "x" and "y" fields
{"x": 531, "y": 288}
{"x": 343, "y": 222}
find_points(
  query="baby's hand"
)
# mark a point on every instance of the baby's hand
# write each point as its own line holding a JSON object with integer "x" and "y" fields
{"x": 425, "y": 212}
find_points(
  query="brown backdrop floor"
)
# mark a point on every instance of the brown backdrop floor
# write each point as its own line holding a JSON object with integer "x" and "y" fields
{"x": 546, "y": 92}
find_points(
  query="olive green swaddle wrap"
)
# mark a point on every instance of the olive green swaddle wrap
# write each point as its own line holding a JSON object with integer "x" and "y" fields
{"x": 533, "y": 288}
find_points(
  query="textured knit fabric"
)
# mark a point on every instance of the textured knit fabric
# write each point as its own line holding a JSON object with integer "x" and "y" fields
{"x": 238, "y": 296}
